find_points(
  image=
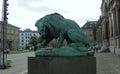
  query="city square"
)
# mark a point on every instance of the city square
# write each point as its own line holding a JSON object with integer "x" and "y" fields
{"x": 89, "y": 36}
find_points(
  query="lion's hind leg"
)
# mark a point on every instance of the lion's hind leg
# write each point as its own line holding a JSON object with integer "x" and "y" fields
{"x": 77, "y": 36}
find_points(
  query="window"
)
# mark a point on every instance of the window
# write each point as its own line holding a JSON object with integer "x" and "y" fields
{"x": 22, "y": 41}
{"x": 22, "y": 44}
{"x": 91, "y": 23}
{"x": 22, "y": 34}
{"x": 22, "y": 48}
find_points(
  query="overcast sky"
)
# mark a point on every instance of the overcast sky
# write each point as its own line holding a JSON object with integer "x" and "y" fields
{"x": 24, "y": 13}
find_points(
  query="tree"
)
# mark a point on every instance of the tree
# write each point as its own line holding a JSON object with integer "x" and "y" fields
{"x": 34, "y": 40}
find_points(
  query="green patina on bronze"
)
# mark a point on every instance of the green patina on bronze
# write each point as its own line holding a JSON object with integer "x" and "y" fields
{"x": 56, "y": 26}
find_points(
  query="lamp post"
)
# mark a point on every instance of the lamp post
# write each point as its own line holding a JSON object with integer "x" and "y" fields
{"x": 5, "y": 11}
{"x": 4, "y": 38}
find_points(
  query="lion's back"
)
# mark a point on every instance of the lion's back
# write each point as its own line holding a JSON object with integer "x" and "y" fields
{"x": 71, "y": 24}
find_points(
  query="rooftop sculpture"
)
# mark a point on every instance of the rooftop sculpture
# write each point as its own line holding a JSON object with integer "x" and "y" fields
{"x": 56, "y": 26}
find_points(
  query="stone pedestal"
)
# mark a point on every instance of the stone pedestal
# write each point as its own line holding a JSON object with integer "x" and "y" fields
{"x": 62, "y": 65}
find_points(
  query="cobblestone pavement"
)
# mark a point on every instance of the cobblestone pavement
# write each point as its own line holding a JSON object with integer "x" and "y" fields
{"x": 107, "y": 63}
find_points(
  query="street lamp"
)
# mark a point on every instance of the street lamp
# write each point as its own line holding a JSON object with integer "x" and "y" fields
{"x": 5, "y": 10}
{"x": 4, "y": 38}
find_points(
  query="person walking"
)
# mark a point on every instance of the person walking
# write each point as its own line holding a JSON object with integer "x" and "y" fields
{"x": 96, "y": 48}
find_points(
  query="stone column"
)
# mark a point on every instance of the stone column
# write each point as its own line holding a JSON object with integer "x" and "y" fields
{"x": 111, "y": 32}
{"x": 113, "y": 21}
{"x": 99, "y": 35}
{"x": 118, "y": 19}
{"x": 118, "y": 25}
{"x": 111, "y": 26}
{"x": 105, "y": 35}
{"x": 103, "y": 31}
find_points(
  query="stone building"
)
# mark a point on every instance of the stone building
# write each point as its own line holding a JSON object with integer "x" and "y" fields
{"x": 110, "y": 25}
{"x": 0, "y": 35}
{"x": 99, "y": 33}
{"x": 25, "y": 36}
{"x": 12, "y": 36}
{"x": 89, "y": 28}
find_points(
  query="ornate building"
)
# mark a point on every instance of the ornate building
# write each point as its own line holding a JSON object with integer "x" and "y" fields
{"x": 110, "y": 25}
{"x": 0, "y": 36}
{"x": 12, "y": 36}
{"x": 89, "y": 28}
{"x": 99, "y": 33}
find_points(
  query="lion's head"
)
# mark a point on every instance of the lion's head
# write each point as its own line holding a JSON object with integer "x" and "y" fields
{"x": 45, "y": 24}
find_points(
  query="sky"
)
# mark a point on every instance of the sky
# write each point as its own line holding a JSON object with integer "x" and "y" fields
{"x": 24, "y": 13}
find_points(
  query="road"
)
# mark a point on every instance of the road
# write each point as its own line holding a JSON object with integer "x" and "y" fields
{"x": 19, "y": 63}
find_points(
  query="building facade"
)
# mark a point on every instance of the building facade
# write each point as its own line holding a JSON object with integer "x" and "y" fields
{"x": 99, "y": 33}
{"x": 90, "y": 30}
{"x": 0, "y": 36}
{"x": 110, "y": 25}
{"x": 12, "y": 36}
{"x": 25, "y": 36}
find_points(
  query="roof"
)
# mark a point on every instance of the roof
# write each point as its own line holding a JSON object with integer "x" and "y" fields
{"x": 90, "y": 24}
{"x": 1, "y": 22}
{"x": 28, "y": 30}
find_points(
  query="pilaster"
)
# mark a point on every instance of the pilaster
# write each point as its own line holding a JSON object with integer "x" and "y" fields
{"x": 111, "y": 26}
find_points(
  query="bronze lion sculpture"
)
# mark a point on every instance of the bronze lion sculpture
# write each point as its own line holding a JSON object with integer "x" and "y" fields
{"x": 56, "y": 26}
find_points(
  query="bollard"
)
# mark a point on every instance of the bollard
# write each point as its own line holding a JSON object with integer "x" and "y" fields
{"x": 9, "y": 63}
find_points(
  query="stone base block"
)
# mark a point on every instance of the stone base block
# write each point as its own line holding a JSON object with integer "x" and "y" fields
{"x": 62, "y": 65}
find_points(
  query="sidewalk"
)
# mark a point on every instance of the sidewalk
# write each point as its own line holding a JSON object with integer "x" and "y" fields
{"x": 107, "y": 63}
{"x": 19, "y": 65}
